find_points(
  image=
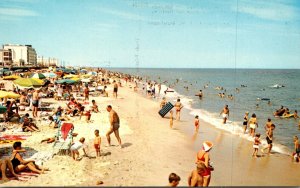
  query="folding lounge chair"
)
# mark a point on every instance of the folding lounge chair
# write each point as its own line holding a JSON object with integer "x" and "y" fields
{"x": 64, "y": 139}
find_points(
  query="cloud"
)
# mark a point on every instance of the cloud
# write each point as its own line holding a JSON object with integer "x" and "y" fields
{"x": 276, "y": 11}
{"x": 17, "y": 12}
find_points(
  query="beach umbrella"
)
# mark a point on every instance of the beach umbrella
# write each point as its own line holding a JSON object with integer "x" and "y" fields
{"x": 29, "y": 82}
{"x": 69, "y": 76}
{"x": 12, "y": 77}
{"x": 65, "y": 81}
{"x": 50, "y": 74}
{"x": 83, "y": 71}
{"x": 9, "y": 94}
{"x": 86, "y": 80}
{"x": 3, "y": 109}
{"x": 38, "y": 75}
{"x": 76, "y": 79}
{"x": 86, "y": 76}
{"x": 92, "y": 73}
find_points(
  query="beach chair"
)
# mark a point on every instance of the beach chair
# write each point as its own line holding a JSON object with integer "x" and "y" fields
{"x": 64, "y": 139}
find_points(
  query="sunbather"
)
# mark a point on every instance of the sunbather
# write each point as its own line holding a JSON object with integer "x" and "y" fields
{"x": 19, "y": 164}
{"x": 4, "y": 163}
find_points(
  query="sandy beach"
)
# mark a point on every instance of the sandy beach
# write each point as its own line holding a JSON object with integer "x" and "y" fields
{"x": 151, "y": 151}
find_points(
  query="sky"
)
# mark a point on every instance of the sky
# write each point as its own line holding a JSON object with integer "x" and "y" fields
{"x": 157, "y": 34}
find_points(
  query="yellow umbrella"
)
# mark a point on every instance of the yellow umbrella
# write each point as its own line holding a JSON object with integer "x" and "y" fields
{"x": 75, "y": 79}
{"x": 9, "y": 94}
{"x": 86, "y": 76}
{"x": 29, "y": 82}
{"x": 11, "y": 77}
{"x": 69, "y": 76}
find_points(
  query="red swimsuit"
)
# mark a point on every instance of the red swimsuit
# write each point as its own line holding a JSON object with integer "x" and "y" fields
{"x": 207, "y": 172}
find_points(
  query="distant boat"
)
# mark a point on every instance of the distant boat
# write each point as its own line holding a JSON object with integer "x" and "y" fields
{"x": 277, "y": 86}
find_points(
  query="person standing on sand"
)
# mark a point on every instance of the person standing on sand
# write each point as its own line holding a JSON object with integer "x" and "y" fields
{"x": 115, "y": 89}
{"x": 159, "y": 89}
{"x": 196, "y": 179}
{"x": 35, "y": 103}
{"x": 171, "y": 119}
{"x": 269, "y": 138}
{"x": 178, "y": 106}
{"x": 256, "y": 145}
{"x": 86, "y": 93}
{"x": 297, "y": 148}
{"x": 196, "y": 123}
{"x": 174, "y": 180}
{"x": 225, "y": 113}
{"x": 114, "y": 125}
{"x": 97, "y": 142}
{"x": 245, "y": 122}
{"x": 203, "y": 157}
{"x": 253, "y": 124}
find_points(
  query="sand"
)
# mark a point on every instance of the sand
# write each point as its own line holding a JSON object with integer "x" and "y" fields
{"x": 152, "y": 151}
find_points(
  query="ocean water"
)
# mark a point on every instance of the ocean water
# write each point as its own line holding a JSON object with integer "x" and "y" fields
{"x": 258, "y": 82}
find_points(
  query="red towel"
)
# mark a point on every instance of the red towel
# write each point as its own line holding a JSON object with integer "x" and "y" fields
{"x": 65, "y": 129}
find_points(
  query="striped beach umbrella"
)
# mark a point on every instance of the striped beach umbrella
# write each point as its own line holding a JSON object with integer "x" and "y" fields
{"x": 38, "y": 75}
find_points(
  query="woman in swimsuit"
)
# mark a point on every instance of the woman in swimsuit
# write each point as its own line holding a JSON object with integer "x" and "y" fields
{"x": 245, "y": 123}
{"x": 253, "y": 124}
{"x": 203, "y": 157}
{"x": 297, "y": 147}
{"x": 19, "y": 164}
{"x": 178, "y": 107}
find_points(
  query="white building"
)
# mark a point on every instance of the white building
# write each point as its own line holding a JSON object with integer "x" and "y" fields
{"x": 22, "y": 54}
{"x": 47, "y": 61}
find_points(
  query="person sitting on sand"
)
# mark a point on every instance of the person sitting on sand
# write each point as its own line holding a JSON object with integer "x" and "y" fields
{"x": 10, "y": 110}
{"x": 28, "y": 125}
{"x": 253, "y": 124}
{"x": 203, "y": 157}
{"x": 94, "y": 107}
{"x": 23, "y": 99}
{"x": 256, "y": 145}
{"x": 4, "y": 163}
{"x": 178, "y": 106}
{"x": 174, "y": 180}
{"x": 76, "y": 146}
{"x": 19, "y": 164}
{"x": 196, "y": 178}
{"x": 56, "y": 120}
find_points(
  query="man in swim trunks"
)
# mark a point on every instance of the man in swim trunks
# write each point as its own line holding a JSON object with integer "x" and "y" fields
{"x": 269, "y": 138}
{"x": 114, "y": 125}
{"x": 225, "y": 113}
{"x": 115, "y": 89}
{"x": 35, "y": 103}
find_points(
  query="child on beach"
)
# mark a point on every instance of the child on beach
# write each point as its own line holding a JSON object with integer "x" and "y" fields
{"x": 171, "y": 119}
{"x": 75, "y": 147}
{"x": 94, "y": 106}
{"x": 97, "y": 142}
{"x": 256, "y": 145}
{"x": 197, "y": 123}
{"x": 174, "y": 180}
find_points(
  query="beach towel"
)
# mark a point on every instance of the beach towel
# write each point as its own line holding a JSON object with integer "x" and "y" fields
{"x": 65, "y": 129}
{"x": 166, "y": 109}
{"x": 23, "y": 176}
